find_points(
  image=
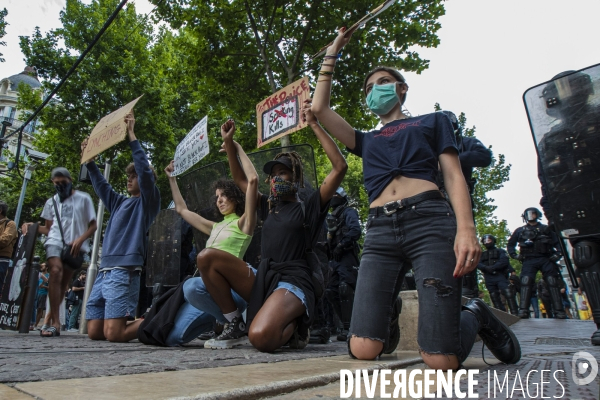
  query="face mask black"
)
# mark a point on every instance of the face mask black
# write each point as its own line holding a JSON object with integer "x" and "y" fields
{"x": 489, "y": 245}
{"x": 64, "y": 191}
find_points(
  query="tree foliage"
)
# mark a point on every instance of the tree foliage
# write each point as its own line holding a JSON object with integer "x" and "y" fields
{"x": 3, "y": 24}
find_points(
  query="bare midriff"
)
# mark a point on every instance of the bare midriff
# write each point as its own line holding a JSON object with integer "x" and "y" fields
{"x": 402, "y": 187}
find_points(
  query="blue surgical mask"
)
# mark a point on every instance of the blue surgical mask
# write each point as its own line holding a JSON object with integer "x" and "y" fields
{"x": 382, "y": 98}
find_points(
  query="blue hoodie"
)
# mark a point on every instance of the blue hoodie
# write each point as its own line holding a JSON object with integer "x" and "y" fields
{"x": 125, "y": 240}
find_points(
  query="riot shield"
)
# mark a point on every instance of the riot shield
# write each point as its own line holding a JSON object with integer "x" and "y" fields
{"x": 164, "y": 249}
{"x": 196, "y": 189}
{"x": 564, "y": 116}
{"x": 16, "y": 282}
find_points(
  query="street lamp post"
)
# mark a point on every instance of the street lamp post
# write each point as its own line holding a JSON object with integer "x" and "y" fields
{"x": 5, "y": 124}
{"x": 28, "y": 170}
{"x": 92, "y": 271}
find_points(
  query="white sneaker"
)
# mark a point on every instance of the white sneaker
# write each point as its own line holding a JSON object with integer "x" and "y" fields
{"x": 234, "y": 334}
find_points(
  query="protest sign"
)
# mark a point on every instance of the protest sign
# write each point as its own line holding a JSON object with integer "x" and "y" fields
{"x": 193, "y": 148}
{"x": 110, "y": 130}
{"x": 281, "y": 113}
{"x": 362, "y": 22}
{"x": 16, "y": 282}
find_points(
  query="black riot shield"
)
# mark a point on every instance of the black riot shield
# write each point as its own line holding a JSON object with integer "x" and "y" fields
{"x": 564, "y": 116}
{"x": 196, "y": 188}
{"x": 164, "y": 249}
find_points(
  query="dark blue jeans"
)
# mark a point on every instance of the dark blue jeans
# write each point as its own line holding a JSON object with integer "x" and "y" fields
{"x": 421, "y": 236}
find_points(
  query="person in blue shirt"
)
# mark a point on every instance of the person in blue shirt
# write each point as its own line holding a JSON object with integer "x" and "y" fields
{"x": 410, "y": 223}
{"x": 114, "y": 296}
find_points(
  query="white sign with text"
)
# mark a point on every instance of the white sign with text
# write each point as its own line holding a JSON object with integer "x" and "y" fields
{"x": 193, "y": 148}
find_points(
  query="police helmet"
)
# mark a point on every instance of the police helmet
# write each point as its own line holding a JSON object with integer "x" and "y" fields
{"x": 341, "y": 192}
{"x": 567, "y": 92}
{"x": 528, "y": 214}
{"x": 487, "y": 237}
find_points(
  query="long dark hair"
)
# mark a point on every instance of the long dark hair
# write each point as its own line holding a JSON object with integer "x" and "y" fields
{"x": 232, "y": 192}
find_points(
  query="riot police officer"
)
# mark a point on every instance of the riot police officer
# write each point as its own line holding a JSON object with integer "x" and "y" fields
{"x": 569, "y": 154}
{"x": 343, "y": 233}
{"x": 471, "y": 153}
{"x": 495, "y": 266}
{"x": 538, "y": 251}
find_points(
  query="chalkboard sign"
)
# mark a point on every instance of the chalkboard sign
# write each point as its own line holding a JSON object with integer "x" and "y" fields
{"x": 15, "y": 284}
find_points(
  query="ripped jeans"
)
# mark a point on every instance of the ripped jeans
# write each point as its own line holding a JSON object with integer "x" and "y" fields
{"x": 421, "y": 237}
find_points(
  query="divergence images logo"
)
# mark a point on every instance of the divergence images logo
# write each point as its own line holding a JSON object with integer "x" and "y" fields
{"x": 582, "y": 366}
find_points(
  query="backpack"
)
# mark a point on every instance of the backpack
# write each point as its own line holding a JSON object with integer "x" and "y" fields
{"x": 15, "y": 246}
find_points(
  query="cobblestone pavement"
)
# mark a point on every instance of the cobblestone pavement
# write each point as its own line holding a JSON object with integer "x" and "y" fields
{"x": 29, "y": 357}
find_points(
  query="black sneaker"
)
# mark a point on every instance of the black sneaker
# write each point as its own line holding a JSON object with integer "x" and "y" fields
{"x": 234, "y": 334}
{"x": 596, "y": 338}
{"x": 298, "y": 342}
{"x": 343, "y": 336}
{"x": 497, "y": 337}
{"x": 392, "y": 342}
{"x": 319, "y": 335}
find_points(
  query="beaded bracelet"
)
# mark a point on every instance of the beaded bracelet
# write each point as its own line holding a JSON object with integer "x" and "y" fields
{"x": 327, "y": 65}
{"x": 338, "y": 56}
{"x": 329, "y": 73}
{"x": 324, "y": 80}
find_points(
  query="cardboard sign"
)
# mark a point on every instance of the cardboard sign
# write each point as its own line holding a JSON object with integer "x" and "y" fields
{"x": 15, "y": 284}
{"x": 110, "y": 130}
{"x": 281, "y": 113}
{"x": 193, "y": 148}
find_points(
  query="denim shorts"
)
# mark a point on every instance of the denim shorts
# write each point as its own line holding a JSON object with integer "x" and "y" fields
{"x": 114, "y": 295}
{"x": 295, "y": 290}
{"x": 53, "y": 251}
{"x": 421, "y": 237}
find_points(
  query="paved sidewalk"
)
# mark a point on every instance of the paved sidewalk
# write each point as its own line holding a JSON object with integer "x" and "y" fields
{"x": 135, "y": 371}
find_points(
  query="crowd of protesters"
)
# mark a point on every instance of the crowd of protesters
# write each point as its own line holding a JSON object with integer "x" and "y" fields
{"x": 416, "y": 225}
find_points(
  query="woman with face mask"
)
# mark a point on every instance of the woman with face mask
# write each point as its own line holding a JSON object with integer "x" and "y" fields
{"x": 281, "y": 295}
{"x": 411, "y": 224}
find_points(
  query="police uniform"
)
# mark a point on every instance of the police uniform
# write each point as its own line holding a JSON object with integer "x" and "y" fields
{"x": 496, "y": 268}
{"x": 343, "y": 233}
{"x": 472, "y": 154}
{"x": 538, "y": 251}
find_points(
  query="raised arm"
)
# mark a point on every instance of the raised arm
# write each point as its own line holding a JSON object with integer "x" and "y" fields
{"x": 466, "y": 246}
{"x": 339, "y": 128}
{"x": 197, "y": 221}
{"x": 103, "y": 189}
{"x": 338, "y": 162}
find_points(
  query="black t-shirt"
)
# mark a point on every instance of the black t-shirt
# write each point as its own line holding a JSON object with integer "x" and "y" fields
{"x": 79, "y": 284}
{"x": 408, "y": 147}
{"x": 283, "y": 232}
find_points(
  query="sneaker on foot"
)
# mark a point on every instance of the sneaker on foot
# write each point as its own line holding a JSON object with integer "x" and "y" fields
{"x": 343, "y": 336}
{"x": 596, "y": 338}
{"x": 73, "y": 330}
{"x": 234, "y": 334}
{"x": 298, "y": 342}
{"x": 319, "y": 335}
{"x": 497, "y": 337}
{"x": 207, "y": 335}
{"x": 390, "y": 346}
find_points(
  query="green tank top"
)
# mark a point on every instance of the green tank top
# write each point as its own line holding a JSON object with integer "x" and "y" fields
{"x": 227, "y": 236}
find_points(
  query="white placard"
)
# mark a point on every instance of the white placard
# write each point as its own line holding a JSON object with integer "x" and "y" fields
{"x": 193, "y": 148}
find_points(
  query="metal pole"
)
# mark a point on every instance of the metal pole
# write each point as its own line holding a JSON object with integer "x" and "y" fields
{"x": 92, "y": 271}
{"x": 26, "y": 179}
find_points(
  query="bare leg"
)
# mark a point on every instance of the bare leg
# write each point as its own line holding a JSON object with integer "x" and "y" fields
{"x": 274, "y": 324}
{"x": 95, "y": 329}
{"x": 55, "y": 292}
{"x": 222, "y": 272}
{"x": 120, "y": 330}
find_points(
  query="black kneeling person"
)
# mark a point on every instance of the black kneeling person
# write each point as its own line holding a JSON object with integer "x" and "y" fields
{"x": 538, "y": 251}
{"x": 496, "y": 268}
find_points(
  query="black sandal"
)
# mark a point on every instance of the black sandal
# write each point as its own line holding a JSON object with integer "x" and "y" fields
{"x": 54, "y": 332}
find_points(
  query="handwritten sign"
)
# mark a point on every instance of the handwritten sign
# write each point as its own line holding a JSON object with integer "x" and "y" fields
{"x": 281, "y": 113}
{"x": 109, "y": 131}
{"x": 16, "y": 283}
{"x": 193, "y": 148}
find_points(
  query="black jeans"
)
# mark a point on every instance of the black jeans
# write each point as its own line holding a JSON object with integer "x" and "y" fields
{"x": 421, "y": 236}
